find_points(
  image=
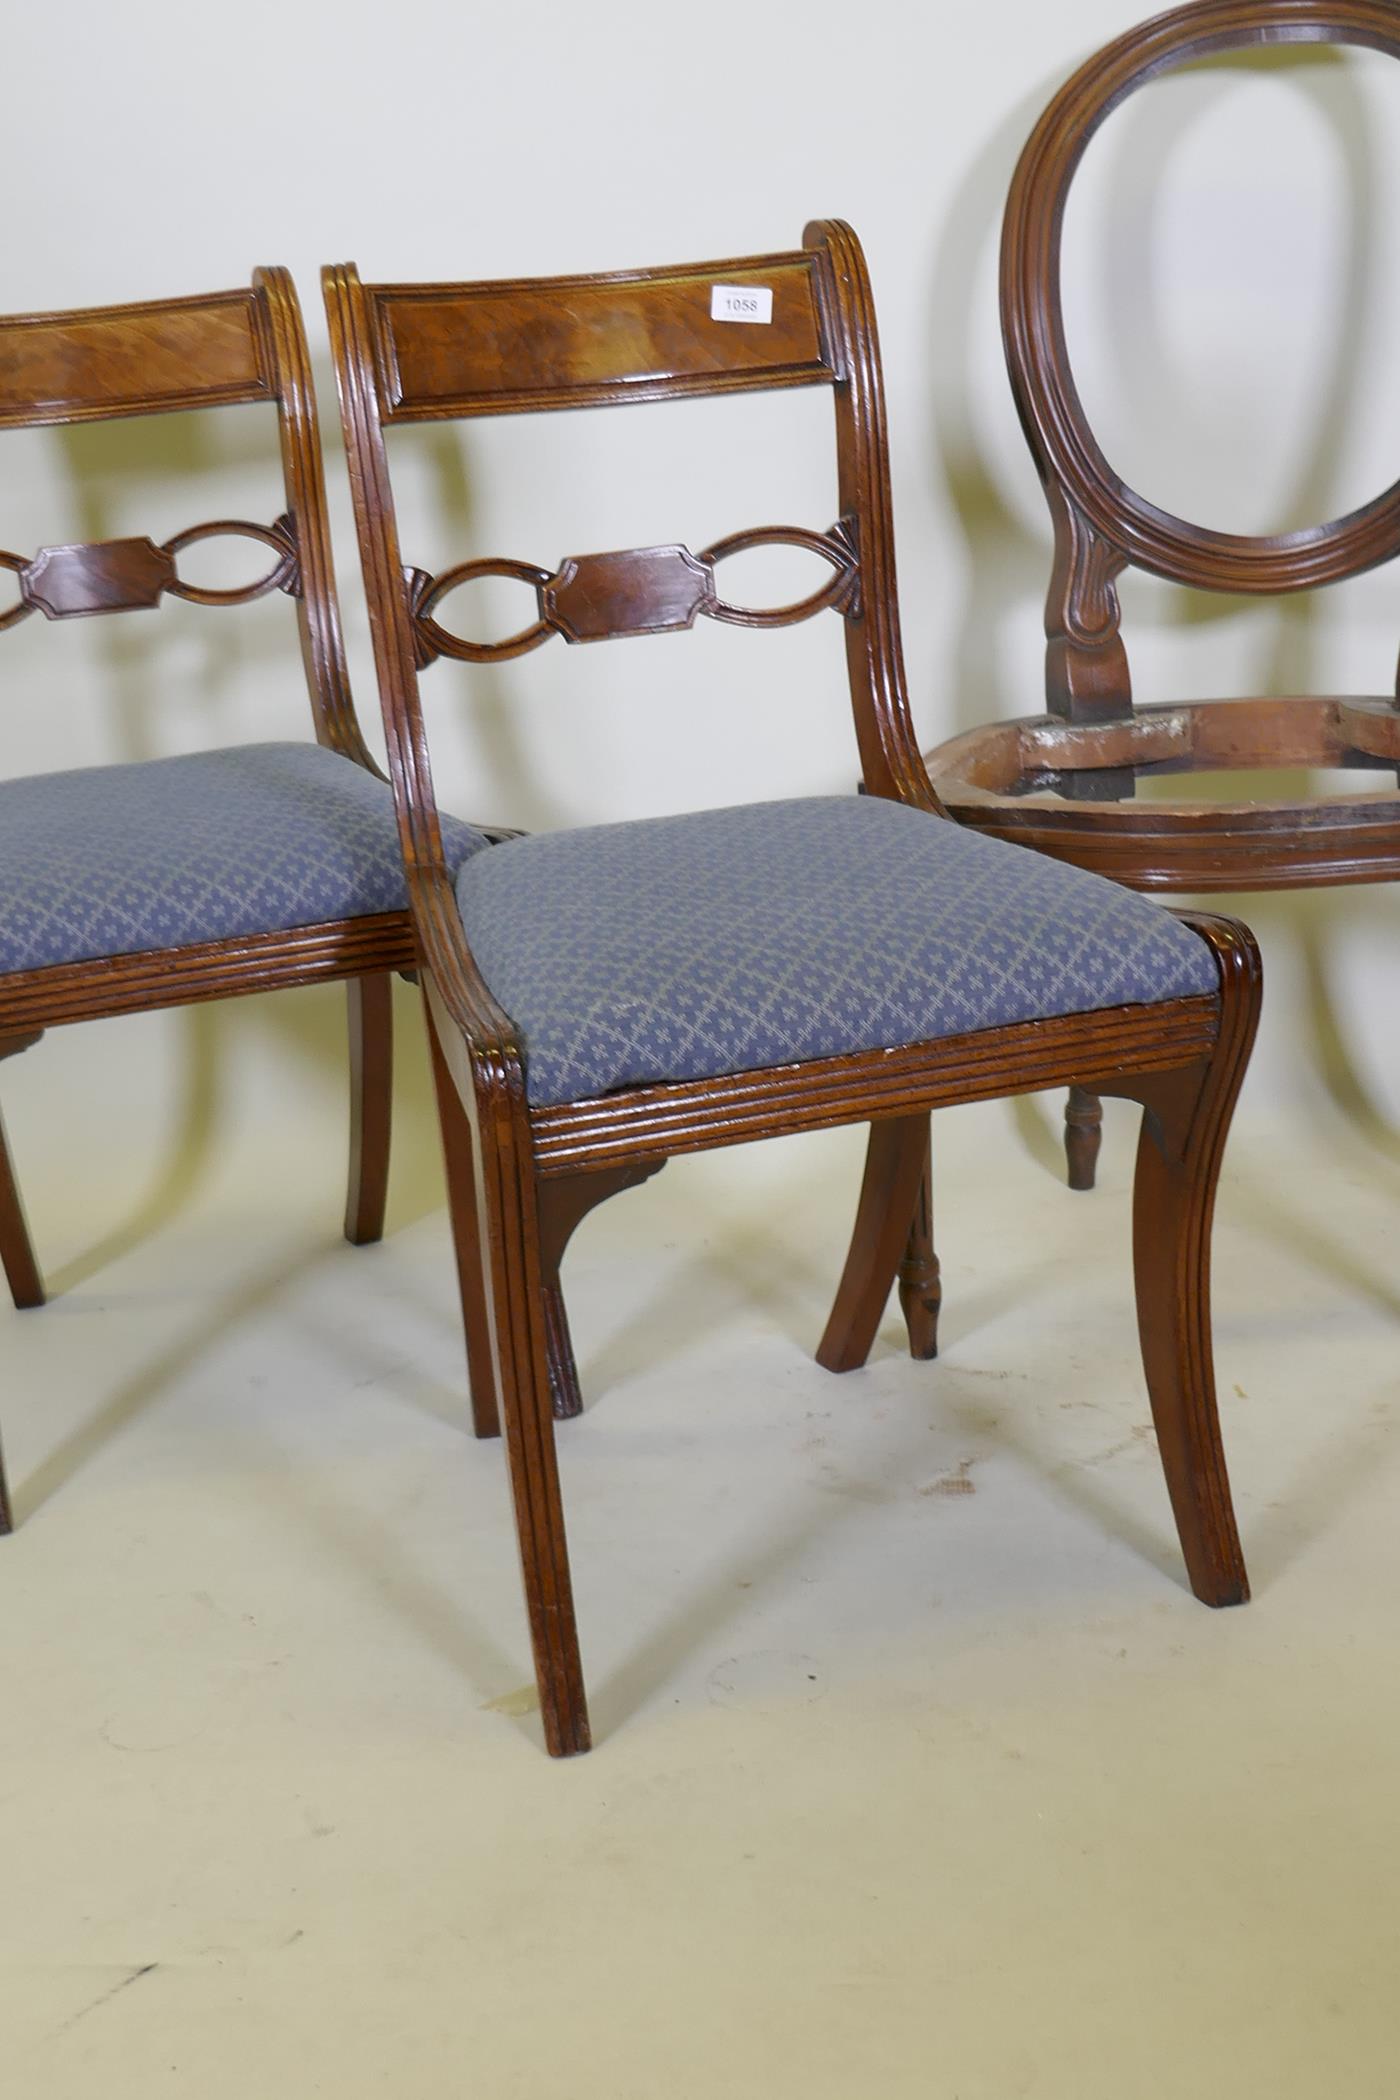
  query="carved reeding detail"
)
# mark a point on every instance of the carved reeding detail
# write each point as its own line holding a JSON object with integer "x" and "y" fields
{"x": 90, "y": 577}
{"x": 1084, "y": 604}
{"x": 1086, "y": 666}
{"x": 679, "y": 589}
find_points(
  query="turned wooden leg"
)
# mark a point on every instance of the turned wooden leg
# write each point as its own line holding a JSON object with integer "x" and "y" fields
{"x": 1186, "y": 1121}
{"x": 455, "y": 1130}
{"x": 562, "y": 1204}
{"x": 1083, "y": 1136}
{"x": 884, "y": 1245}
{"x": 371, "y": 1015}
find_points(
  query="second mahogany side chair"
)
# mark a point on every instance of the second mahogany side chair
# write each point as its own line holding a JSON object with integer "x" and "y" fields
{"x": 602, "y": 999}
{"x": 161, "y": 883}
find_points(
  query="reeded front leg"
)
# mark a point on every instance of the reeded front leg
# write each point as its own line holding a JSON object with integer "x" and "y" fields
{"x": 892, "y": 1237}
{"x": 455, "y": 1131}
{"x": 561, "y": 1205}
{"x": 1083, "y": 1136}
{"x": 506, "y": 1202}
{"x": 1185, "y": 1124}
{"x": 370, "y": 1007}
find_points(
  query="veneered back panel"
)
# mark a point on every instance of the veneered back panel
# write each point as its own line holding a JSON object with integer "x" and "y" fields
{"x": 493, "y": 349}
{"x": 132, "y": 360}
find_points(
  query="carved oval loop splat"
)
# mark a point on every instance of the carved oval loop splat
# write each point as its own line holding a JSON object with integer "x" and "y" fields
{"x": 431, "y": 641}
{"x": 17, "y": 563}
{"x": 632, "y": 591}
{"x": 841, "y": 590}
{"x": 284, "y": 576}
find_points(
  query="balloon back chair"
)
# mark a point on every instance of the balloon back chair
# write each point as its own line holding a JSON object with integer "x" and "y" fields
{"x": 602, "y": 999}
{"x": 156, "y": 884}
{"x": 1064, "y": 781}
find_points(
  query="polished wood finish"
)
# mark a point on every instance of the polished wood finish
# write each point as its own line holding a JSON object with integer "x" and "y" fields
{"x": 638, "y": 590}
{"x": 404, "y": 351}
{"x": 1063, "y": 781}
{"x": 586, "y": 342}
{"x": 370, "y": 1012}
{"x": 115, "y": 576}
{"x": 458, "y": 1154}
{"x": 107, "y": 576}
{"x": 896, "y": 1170}
{"x": 1083, "y": 1136}
{"x": 139, "y": 360}
{"x": 224, "y": 348}
{"x": 918, "y": 1278}
{"x": 563, "y": 1205}
{"x": 1180, "y": 1150}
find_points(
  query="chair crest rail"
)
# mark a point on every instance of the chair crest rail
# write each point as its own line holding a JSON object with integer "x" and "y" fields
{"x": 131, "y": 575}
{"x": 632, "y": 591}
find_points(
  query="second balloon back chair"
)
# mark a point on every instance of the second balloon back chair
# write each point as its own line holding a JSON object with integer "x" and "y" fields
{"x": 1065, "y": 781}
{"x": 603, "y": 999}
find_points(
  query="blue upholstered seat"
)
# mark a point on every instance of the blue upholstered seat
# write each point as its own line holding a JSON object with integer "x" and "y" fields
{"x": 681, "y": 947}
{"x": 110, "y": 860}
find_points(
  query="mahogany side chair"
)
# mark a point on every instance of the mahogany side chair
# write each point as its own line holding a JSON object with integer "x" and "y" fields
{"x": 131, "y": 886}
{"x": 603, "y": 998}
{"x": 1064, "y": 781}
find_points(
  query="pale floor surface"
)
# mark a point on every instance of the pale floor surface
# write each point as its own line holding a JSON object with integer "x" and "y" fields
{"x": 919, "y": 1771}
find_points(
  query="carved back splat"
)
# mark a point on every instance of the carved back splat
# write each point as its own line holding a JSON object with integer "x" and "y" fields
{"x": 213, "y": 351}
{"x": 636, "y": 590}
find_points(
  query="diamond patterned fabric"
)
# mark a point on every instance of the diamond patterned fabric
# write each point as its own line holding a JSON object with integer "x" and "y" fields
{"x": 111, "y": 860}
{"x": 682, "y": 947}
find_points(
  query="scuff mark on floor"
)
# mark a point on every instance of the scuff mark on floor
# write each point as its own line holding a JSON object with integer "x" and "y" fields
{"x": 105, "y": 1997}
{"x": 954, "y": 1483}
{"x": 1141, "y": 1432}
{"x": 524, "y": 1699}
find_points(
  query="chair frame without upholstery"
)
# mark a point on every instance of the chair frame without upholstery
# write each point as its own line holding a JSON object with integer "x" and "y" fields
{"x": 1063, "y": 781}
{"x": 207, "y": 351}
{"x": 408, "y": 353}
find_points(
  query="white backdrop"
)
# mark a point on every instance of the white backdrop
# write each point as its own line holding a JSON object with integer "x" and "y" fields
{"x": 1232, "y": 273}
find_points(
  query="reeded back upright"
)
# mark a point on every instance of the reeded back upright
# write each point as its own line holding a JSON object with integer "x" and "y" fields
{"x": 425, "y": 352}
{"x": 214, "y": 350}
